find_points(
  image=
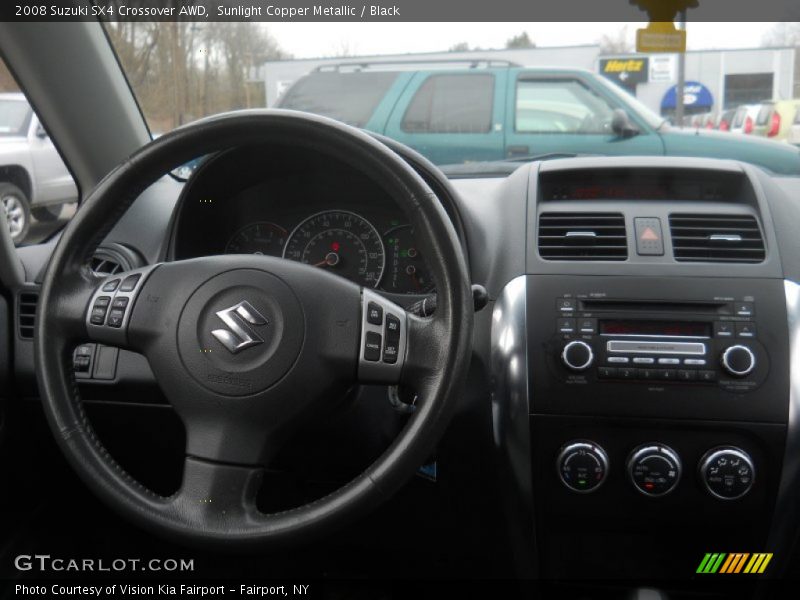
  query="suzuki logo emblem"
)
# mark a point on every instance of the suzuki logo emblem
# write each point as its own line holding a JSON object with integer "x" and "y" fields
{"x": 239, "y": 334}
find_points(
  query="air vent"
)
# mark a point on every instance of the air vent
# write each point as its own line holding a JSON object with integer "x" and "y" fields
{"x": 716, "y": 238}
{"x": 26, "y": 314}
{"x": 582, "y": 236}
{"x": 103, "y": 266}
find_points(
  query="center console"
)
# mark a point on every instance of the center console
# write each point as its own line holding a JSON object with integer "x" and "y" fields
{"x": 656, "y": 387}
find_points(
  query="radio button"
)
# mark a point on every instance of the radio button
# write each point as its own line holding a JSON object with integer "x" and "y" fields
{"x": 619, "y": 360}
{"x": 669, "y": 361}
{"x": 606, "y": 372}
{"x": 648, "y": 374}
{"x": 566, "y": 325}
{"x": 739, "y": 360}
{"x": 626, "y": 373}
{"x": 666, "y": 374}
{"x": 745, "y": 330}
{"x": 723, "y": 329}
{"x": 744, "y": 309}
{"x": 566, "y": 305}
{"x": 577, "y": 355}
{"x": 697, "y": 362}
{"x": 687, "y": 375}
{"x": 707, "y": 376}
{"x": 587, "y": 325}
{"x": 642, "y": 360}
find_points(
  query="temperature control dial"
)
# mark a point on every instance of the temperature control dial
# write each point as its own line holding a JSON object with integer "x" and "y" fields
{"x": 727, "y": 472}
{"x": 582, "y": 466}
{"x": 654, "y": 469}
{"x": 577, "y": 355}
{"x": 739, "y": 360}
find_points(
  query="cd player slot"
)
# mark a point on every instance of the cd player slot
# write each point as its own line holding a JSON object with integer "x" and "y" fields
{"x": 632, "y": 347}
{"x": 628, "y": 306}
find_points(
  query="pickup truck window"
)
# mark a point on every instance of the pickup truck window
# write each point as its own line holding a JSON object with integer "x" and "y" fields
{"x": 347, "y": 97}
{"x": 451, "y": 104}
{"x": 560, "y": 106}
{"x": 14, "y": 117}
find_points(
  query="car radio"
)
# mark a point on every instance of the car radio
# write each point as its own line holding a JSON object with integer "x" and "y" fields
{"x": 710, "y": 341}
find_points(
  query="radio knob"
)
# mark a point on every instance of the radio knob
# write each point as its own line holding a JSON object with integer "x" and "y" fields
{"x": 739, "y": 360}
{"x": 577, "y": 355}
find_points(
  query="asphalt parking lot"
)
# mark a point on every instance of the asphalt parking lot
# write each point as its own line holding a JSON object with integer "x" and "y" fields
{"x": 40, "y": 231}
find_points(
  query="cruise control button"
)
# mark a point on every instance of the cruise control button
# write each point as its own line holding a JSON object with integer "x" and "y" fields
{"x": 372, "y": 346}
{"x": 390, "y": 351}
{"x": 129, "y": 283}
{"x": 102, "y": 301}
{"x": 111, "y": 285}
{"x": 115, "y": 317}
{"x": 374, "y": 313}
{"x": 392, "y": 328}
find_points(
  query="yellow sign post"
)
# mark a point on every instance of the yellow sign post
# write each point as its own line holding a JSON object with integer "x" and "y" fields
{"x": 660, "y": 35}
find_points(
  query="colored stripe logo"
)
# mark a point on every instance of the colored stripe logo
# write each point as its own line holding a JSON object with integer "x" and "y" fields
{"x": 735, "y": 562}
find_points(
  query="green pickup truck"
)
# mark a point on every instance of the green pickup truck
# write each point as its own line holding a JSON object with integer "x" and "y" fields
{"x": 494, "y": 113}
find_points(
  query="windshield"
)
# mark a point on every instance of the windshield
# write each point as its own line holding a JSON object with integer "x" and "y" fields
{"x": 14, "y": 117}
{"x": 472, "y": 94}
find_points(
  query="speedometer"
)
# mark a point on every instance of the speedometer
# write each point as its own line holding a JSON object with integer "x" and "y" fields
{"x": 341, "y": 241}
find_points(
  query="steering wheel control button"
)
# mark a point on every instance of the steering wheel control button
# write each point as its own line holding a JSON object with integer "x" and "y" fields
{"x": 115, "y": 317}
{"x": 120, "y": 302}
{"x": 649, "y": 241}
{"x": 727, "y": 472}
{"x": 382, "y": 339}
{"x": 577, "y": 355}
{"x": 738, "y": 361}
{"x": 111, "y": 286}
{"x": 372, "y": 347}
{"x": 374, "y": 314}
{"x": 129, "y": 283}
{"x": 654, "y": 469}
{"x": 582, "y": 466}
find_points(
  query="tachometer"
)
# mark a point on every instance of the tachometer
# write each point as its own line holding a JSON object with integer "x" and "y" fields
{"x": 341, "y": 241}
{"x": 258, "y": 238}
{"x": 406, "y": 271}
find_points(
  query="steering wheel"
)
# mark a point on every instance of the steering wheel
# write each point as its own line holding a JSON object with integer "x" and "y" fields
{"x": 249, "y": 348}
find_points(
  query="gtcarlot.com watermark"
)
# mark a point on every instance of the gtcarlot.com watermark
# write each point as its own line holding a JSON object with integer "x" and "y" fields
{"x": 45, "y": 563}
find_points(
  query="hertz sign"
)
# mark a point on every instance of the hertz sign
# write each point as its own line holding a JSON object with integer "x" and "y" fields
{"x": 626, "y": 72}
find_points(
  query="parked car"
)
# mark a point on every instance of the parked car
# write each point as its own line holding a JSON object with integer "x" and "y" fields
{"x": 793, "y": 135}
{"x": 510, "y": 112}
{"x": 744, "y": 119}
{"x": 775, "y": 118}
{"x": 725, "y": 119}
{"x": 33, "y": 178}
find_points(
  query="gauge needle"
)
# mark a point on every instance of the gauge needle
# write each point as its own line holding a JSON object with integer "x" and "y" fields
{"x": 331, "y": 260}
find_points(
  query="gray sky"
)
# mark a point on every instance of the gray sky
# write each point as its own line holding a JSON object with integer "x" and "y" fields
{"x": 309, "y": 40}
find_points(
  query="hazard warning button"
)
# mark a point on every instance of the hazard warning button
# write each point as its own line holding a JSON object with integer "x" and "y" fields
{"x": 648, "y": 236}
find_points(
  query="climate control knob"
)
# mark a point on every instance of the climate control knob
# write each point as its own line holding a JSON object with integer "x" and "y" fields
{"x": 654, "y": 469}
{"x": 727, "y": 472}
{"x": 577, "y": 355}
{"x": 582, "y": 466}
{"x": 739, "y": 360}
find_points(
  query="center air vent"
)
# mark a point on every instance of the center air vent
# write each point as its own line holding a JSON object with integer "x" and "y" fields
{"x": 716, "y": 238}
{"x": 582, "y": 236}
{"x": 111, "y": 258}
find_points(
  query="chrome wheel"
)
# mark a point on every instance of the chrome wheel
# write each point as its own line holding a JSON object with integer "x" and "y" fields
{"x": 15, "y": 214}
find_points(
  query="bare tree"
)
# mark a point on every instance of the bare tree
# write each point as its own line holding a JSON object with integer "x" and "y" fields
{"x": 782, "y": 35}
{"x": 520, "y": 41}
{"x": 616, "y": 43}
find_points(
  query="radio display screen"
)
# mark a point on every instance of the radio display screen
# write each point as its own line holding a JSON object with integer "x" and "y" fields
{"x": 655, "y": 328}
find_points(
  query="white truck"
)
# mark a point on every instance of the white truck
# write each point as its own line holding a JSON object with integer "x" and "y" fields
{"x": 34, "y": 181}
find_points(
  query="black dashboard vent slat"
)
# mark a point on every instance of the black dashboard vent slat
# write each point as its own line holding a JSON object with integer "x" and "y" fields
{"x": 716, "y": 238}
{"x": 104, "y": 266}
{"x": 582, "y": 236}
{"x": 26, "y": 314}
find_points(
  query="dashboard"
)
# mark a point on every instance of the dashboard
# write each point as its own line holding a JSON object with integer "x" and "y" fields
{"x": 303, "y": 207}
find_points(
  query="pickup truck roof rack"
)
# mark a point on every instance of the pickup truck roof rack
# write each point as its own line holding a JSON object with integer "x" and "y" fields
{"x": 468, "y": 63}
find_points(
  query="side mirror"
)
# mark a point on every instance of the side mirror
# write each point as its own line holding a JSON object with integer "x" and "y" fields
{"x": 621, "y": 124}
{"x": 41, "y": 133}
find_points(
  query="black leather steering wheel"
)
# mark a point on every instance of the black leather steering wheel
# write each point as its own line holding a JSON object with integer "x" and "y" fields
{"x": 247, "y": 348}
